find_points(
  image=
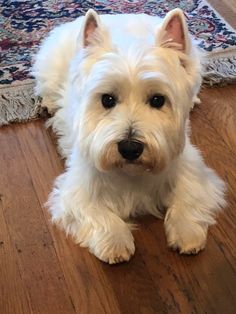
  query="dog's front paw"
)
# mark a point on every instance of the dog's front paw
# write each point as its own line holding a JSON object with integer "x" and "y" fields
{"x": 114, "y": 248}
{"x": 187, "y": 238}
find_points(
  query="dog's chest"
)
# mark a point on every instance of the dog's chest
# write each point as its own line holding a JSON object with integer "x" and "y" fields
{"x": 131, "y": 198}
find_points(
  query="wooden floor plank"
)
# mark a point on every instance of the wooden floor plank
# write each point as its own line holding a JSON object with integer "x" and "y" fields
{"x": 218, "y": 108}
{"x": 134, "y": 286}
{"x": 227, "y": 9}
{"x": 13, "y": 297}
{"x": 169, "y": 281}
{"x": 38, "y": 263}
{"x": 218, "y": 146}
{"x": 85, "y": 278}
{"x": 189, "y": 284}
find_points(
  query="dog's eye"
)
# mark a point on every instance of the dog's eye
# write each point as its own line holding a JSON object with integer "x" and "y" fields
{"x": 156, "y": 101}
{"x": 108, "y": 101}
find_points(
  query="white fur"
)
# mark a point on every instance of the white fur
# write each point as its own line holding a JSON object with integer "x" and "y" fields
{"x": 133, "y": 57}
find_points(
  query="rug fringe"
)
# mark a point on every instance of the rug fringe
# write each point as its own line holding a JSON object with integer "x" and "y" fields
{"x": 18, "y": 104}
{"x": 219, "y": 71}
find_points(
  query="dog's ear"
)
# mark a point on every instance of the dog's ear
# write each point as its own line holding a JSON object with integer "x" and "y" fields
{"x": 174, "y": 32}
{"x": 91, "y": 23}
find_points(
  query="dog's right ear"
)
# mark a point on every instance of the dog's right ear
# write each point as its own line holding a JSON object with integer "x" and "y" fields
{"x": 90, "y": 25}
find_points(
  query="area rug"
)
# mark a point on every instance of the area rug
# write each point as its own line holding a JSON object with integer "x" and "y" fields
{"x": 23, "y": 24}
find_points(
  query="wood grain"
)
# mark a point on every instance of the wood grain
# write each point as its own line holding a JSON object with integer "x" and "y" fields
{"x": 42, "y": 270}
{"x": 227, "y": 9}
{"x": 84, "y": 277}
{"x": 31, "y": 241}
{"x": 13, "y": 295}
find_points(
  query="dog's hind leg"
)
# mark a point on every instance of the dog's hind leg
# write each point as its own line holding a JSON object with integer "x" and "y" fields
{"x": 51, "y": 65}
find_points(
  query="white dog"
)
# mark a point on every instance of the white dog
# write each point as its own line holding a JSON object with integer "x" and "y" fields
{"x": 121, "y": 88}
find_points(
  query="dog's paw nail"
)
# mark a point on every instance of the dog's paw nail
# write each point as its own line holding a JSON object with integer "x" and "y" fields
{"x": 192, "y": 251}
{"x": 118, "y": 253}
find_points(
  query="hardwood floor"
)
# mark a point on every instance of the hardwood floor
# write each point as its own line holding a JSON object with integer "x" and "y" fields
{"x": 227, "y": 9}
{"x": 43, "y": 271}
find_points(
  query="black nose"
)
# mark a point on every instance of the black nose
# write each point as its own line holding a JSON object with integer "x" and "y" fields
{"x": 130, "y": 150}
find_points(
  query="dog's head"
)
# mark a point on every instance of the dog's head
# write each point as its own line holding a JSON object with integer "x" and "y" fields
{"x": 133, "y": 100}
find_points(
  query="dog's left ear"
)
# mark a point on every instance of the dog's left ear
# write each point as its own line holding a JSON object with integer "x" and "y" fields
{"x": 174, "y": 32}
{"x": 90, "y": 25}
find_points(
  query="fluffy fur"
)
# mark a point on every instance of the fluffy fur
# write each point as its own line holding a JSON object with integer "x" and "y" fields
{"x": 131, "y": 57}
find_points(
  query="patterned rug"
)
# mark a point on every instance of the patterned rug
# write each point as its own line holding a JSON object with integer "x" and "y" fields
{"x": 23, "y": 24}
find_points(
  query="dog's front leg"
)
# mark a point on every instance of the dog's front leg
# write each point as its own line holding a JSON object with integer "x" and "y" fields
{"x": 183, "y": 231}
{"x": 106, "y": 235}
{"x": 197, "y": 198}
{"x": 91, "y": 222}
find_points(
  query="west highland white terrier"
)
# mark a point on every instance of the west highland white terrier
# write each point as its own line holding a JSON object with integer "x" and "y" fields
{"x": 121, "y": 88}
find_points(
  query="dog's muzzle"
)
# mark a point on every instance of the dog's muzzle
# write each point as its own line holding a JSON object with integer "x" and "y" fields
{"x": 130, "y": 149}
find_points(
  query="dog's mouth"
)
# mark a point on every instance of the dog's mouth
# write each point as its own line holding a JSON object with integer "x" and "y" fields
{"x": 134, "y": 168}
{"x": 131, "y": 161}
{"x": 125, "y": 160}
